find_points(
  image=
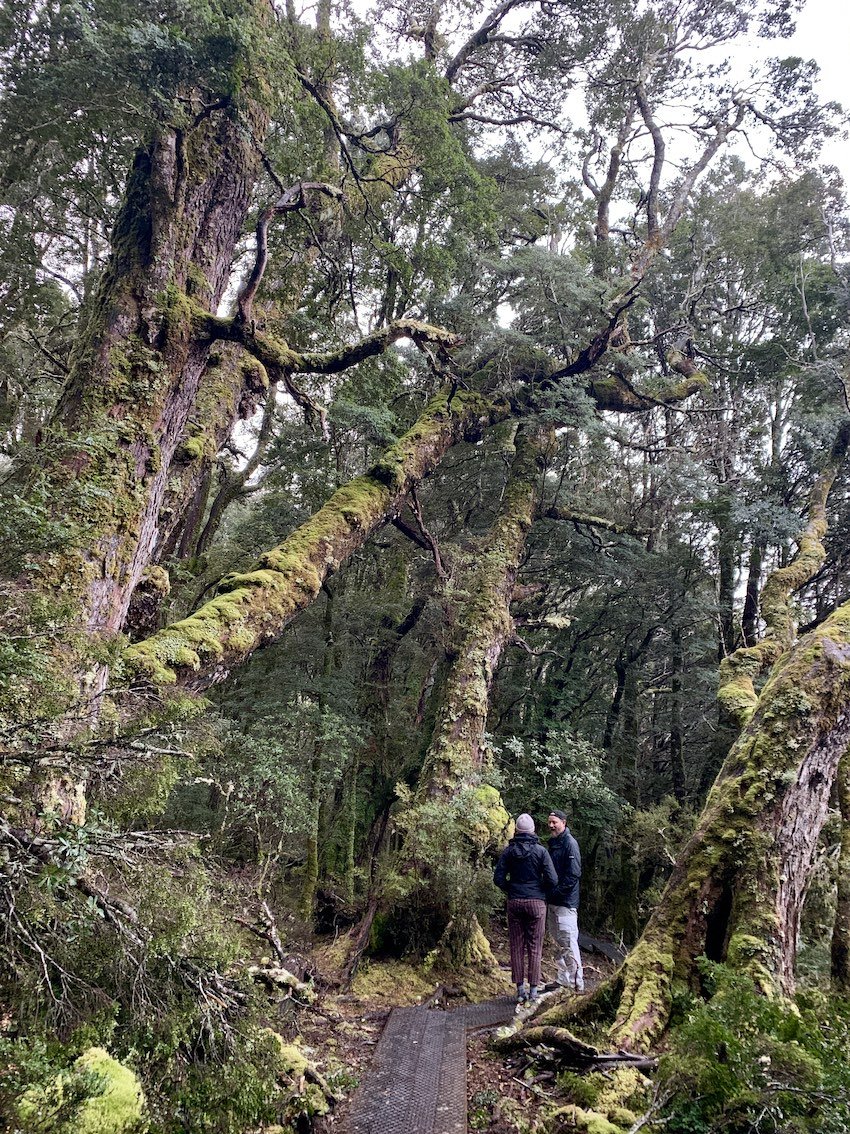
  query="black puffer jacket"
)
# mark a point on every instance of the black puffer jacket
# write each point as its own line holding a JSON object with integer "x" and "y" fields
{"x": 567, "y": 859}
{"x": 524, "y": 869}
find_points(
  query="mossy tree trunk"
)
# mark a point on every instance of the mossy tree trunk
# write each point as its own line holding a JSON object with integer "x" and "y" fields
{"x": 840, "y": 949}
{"x": 737, "y": 891}
{"x": 139, "y": 370}
{"x": 738, "y": 887}
{"x": 453, "y": 818}
{"x": 458, "y": 748}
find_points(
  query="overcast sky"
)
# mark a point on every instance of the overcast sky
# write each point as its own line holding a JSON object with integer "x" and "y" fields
{"x": 823, "y": 34}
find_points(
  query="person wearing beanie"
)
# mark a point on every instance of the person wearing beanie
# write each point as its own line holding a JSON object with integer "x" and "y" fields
{"x": 562, "y": 902}
{"x": 526, "y": 873}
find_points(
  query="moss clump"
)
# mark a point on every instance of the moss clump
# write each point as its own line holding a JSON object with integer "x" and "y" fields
{"x": 754, "y": 956}
{"x": 622, "y": 1093}
{"x": 575, "y": 1118}
{"x": 194, "y": 448}
{"x": 308, "y": 1098}
{"x": 116, "y": 1105}
{"x": 391, "y": 982}
{"x": 647, "y": 996}
{"x": 489, "y": 822}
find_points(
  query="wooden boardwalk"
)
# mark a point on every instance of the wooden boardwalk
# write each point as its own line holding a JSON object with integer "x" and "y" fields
{"x": 418, "y": 1079}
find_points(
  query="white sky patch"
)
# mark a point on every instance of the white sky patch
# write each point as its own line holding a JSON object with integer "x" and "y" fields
{"x": 823, "y": 34}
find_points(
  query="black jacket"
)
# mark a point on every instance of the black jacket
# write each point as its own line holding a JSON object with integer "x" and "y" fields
{"x": 567, "y": 859}
{"x": 524, "y": 869}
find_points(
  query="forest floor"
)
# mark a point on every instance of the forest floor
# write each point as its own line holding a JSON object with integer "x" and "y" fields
{"x": 340, "y": 1031}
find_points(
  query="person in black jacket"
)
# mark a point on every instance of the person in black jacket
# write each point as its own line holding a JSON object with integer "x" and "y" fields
{"x": 562, "y": 902}
{"x": 526, "y": 874}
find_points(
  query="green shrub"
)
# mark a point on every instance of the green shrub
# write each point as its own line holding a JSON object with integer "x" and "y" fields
{"x": 745, "y": 1064}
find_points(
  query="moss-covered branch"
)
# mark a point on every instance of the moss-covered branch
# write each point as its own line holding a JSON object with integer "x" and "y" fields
{"x": 252, "y": 609}
{"x": 739, "y": 671}
{"x": 586, "y": 519}
{"x": 272, "y": 351}
{"x": 282, "y": 361}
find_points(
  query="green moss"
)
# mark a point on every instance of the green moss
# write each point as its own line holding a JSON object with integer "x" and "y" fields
{"x": 243, "y": 640}
{"x": 489, "y": 822}
{"x": 647, "y": 995}
{"x": 289, "y": 1057}
{"x": 156, "y": 579}
{"x": 391, "y": 982}
{"x": 194, "y": 448}
{"x": 286, "y": 578}
{"x": 624, "y": 1091}
{"x": 575, "y": 1118}
{"x": 753, "y": 955}
{"x": 118, "y": 1110}
{"x": 117, "y": 1107}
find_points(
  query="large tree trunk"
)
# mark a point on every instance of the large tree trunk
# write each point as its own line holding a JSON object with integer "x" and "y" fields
{"x": 737, "y": 891}
{"x": 840, "y": 948}
{"x": 458, "y": 746}
{"x": 458, "y": 753}
{"x": 139, "y": 369}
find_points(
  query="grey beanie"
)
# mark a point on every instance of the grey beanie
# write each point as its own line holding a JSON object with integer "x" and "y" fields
{"x": 524, "y": 824}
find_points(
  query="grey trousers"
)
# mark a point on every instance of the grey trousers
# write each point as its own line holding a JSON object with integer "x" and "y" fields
{"x": 562, "y": 923}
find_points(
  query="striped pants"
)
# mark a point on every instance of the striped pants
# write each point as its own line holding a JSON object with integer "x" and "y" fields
{"x": 526, "y": 929}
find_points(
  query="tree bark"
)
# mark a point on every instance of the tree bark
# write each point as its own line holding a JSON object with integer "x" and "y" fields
{"x": 458, "y": 745}
{"x": 138, "y": 369}
{"x": 458, "y": 752}
{"x": 738, "y": 887}
{"x": 840, "y": 949}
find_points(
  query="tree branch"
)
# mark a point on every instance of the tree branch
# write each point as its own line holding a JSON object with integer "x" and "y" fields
{"x": 480, "y": 37}
{"x": 559, "y": 513}
{"x": 738, "y": 672}
{"x": 292, "y": 199}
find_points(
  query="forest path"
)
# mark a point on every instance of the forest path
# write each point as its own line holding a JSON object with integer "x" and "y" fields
{"x": 418, "y": 1079}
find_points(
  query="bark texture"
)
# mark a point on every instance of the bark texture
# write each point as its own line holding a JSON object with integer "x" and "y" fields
{"x": 450, "y": 782}
{"x": 738, "y": 888}
{"x": 458, "y": 744}
{"x": 139, "y": 369}
{"x": 840, "y": 949}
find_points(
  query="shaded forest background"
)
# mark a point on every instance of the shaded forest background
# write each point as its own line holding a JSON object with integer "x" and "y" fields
{"x": 408, "y": 420}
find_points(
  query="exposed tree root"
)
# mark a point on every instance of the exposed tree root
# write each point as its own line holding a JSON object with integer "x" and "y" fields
{"x": 572, "y": 1050}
